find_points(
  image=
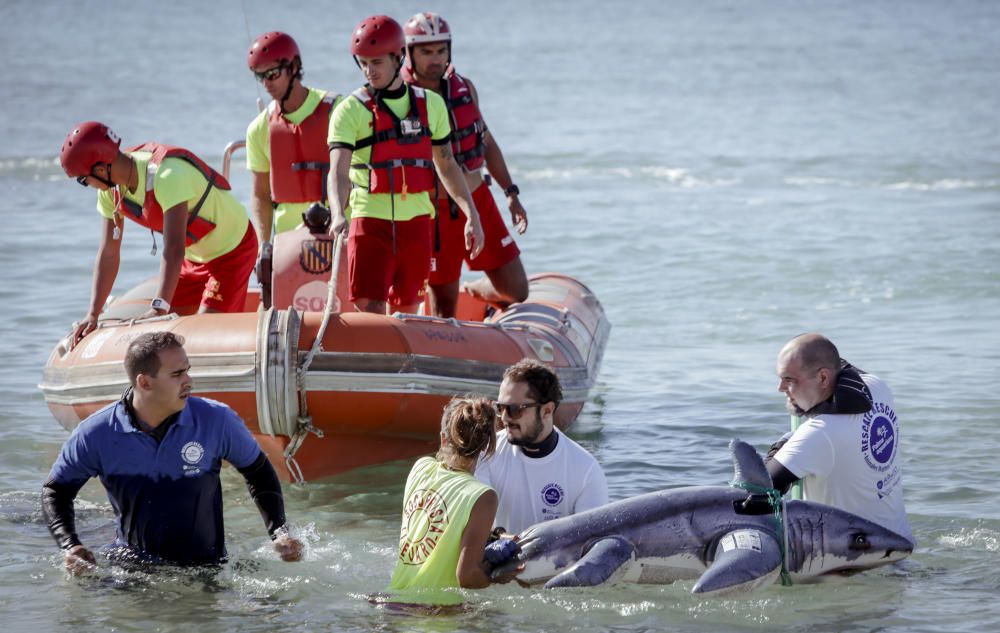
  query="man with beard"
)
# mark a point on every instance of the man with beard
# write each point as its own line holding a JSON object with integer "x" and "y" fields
{"x": 158, "y": 451}
{"x": 387, "y": 141}
{"x": 846, "y": 452}
{"x": 428, "y": 65}
{"x": 538, "y": 472}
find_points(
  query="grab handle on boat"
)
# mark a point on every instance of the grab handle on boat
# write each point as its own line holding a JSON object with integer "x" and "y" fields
{"x": 406, "y": 316}
{"x": 227, "y": 155}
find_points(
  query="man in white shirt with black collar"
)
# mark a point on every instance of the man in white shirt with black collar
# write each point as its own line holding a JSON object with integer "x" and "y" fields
{"x": 847, "y": 450}
{"x": 538, "y": 472}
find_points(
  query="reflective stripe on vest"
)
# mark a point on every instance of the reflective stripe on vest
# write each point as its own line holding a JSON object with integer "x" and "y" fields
{"x": 150, "y": 214}
{"x": 402, "y": 155}
{"x": 300, "y": 159}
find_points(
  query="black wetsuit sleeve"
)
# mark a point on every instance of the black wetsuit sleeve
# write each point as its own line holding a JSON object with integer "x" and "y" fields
{"x": 771, "y": 452}
{"x": 781, "y": 477}
{"x": 340, "y": 145}
{"x": 57, "y": 508}
{"x": 265, "y": 490}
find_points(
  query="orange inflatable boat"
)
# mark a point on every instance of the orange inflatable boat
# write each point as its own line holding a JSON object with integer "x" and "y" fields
{"x": 370, "y": 390}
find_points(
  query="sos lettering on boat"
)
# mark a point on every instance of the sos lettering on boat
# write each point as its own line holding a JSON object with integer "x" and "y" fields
{"x": 552, "y": 494}
{"x": 316, "y": 256}
{"x": 425, "y": 517}
{"x": 879, "y": 437}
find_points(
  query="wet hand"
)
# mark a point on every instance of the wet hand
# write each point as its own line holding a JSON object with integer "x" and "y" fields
{"x": 79, "y": 560}
{"x": 509, "y": 575}
{"x": 289, "y": 548}
{"x": 499, "y": 553}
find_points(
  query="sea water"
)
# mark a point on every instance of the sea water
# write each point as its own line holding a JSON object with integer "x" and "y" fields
{"x": 723, "y": 175}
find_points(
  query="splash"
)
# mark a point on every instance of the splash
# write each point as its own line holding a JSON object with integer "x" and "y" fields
{"x": 975, "y": 538}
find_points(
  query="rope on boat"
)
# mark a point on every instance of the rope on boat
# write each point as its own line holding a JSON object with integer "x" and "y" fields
{"x": 305, "y": 425}
{"x": 331, "y": 297}
{"x": 777, "y": 503}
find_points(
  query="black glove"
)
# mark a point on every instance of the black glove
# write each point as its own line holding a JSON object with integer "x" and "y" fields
{"x": 263, "y": 268}
{"x": 775, "y": 448}
{"x": 263, "y": 272}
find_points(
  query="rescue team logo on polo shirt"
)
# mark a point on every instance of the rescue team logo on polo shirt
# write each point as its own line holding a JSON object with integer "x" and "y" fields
{"x": 192, "y": 452}
{"x": 425, "y": 517}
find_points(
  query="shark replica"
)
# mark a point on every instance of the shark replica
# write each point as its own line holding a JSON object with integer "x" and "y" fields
{"x": 730, "y": 539}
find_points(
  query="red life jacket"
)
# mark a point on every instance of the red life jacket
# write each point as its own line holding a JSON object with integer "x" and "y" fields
{"x": 468, "y": 130}
{"x": 150, "y": 214}
{"x": 402, "y": 159}
{"x": 300, "y": 159}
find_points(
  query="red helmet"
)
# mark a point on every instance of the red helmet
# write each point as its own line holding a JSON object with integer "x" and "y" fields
{"x": 424, "y": 28}
{"x": 271, "y": 48}
{"x": 87, "y": 145}
{"x": 377, "y": 35}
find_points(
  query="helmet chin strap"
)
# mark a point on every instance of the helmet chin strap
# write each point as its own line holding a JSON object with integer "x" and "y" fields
{"x": 288, "y": 91}
{"x": 104, "y": 181}
{"x": 395, "y": 73}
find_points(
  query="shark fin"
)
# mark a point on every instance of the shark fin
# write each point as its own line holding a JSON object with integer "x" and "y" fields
{"x": 744, "y": 560}
{"x": 748, "y": 465}
{"x": 606, "y": 559}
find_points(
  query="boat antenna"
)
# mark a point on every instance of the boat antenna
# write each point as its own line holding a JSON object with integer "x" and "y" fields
{"x": 246, "y": 22}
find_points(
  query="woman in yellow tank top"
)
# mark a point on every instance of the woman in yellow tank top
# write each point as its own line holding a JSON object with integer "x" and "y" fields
{"x": 448, "y": 513}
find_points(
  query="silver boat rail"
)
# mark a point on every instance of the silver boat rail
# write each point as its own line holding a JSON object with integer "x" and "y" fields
{"x": 227, "y": 156}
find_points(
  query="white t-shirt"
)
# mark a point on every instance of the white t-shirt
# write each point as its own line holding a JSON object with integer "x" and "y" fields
{"x": 852, "y": 461}
{"x": 566, "y": 481}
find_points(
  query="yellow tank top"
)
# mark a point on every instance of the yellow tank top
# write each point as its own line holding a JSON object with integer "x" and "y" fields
{"x": 436, "y": 508}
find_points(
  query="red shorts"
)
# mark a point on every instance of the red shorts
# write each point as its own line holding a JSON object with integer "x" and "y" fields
{"x": 220, "y": 284}
{"x": 378, "y": 273}
{"x": 500, "y": 247}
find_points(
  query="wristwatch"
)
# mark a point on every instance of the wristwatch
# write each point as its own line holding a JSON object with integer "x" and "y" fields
{"x": 160, "y": 303}
{"x": 512, "y": 190}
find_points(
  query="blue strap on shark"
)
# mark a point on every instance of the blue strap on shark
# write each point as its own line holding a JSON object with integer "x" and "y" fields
{"x": 774, "y": 498}
{"x": 500, "y": 551}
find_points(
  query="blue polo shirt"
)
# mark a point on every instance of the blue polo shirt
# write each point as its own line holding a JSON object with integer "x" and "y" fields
{"x": 166, "y": 496}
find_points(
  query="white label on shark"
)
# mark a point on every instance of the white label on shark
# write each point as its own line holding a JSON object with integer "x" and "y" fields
{"x": 741, "y": 539}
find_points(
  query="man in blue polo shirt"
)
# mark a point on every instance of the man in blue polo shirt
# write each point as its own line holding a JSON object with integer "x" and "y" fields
{"x": 158, "y": 452}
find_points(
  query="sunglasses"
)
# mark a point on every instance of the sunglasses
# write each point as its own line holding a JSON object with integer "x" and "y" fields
{"x": 514, "y": 410}
{"x": 270, "y": 74}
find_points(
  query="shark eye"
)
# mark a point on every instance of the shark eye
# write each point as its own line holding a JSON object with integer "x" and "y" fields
{"x": 860, "y": 541}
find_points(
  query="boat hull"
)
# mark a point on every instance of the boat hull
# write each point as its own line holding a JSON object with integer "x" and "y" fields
{"x": 374, "y": 391}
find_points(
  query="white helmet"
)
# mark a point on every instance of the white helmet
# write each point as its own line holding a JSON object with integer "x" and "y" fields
{"x": 424, "y": 28}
